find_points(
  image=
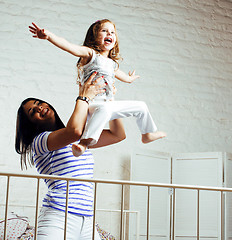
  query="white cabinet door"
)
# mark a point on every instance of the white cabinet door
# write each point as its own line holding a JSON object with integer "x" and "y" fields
{"x": 228, "y": 196}
{"x": 155, "y": 167}
{"x": 212, "y": 169}
{"x": 205, "y": 169}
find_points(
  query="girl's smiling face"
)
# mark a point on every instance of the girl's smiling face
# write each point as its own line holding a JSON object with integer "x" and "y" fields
{"x": 39, "y": 112}
{"x": 106, "y": 36}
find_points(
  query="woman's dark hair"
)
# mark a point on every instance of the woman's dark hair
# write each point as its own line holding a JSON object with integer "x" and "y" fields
{"x": 26, "y": 130}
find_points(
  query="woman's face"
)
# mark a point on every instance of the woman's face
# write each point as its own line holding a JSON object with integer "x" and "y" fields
{"x": 39, "y": 112}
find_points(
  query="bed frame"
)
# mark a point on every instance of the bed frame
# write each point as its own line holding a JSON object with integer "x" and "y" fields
{"x": 122, "y": 211}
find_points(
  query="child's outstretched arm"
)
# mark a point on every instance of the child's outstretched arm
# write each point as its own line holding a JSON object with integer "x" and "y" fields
{"x": 128, "y": 78}
{"x": 76, "y": 50}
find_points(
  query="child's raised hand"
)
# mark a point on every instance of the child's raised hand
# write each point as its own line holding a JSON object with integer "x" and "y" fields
{"x": 38, "y": 32}
{"x": 132, "y": 76}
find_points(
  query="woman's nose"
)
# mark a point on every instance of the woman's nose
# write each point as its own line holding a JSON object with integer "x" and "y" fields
{"x": 39, "y": 108}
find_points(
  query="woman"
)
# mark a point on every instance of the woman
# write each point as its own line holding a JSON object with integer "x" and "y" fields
{"x": 42, "y": 138}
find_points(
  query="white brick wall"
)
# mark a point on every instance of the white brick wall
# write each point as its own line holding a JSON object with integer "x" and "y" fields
{"x": 181, "y": 50}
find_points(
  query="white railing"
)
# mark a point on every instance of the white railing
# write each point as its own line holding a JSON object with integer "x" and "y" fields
{"x": 173, "y": 187}
{"x": 125, "y": 214}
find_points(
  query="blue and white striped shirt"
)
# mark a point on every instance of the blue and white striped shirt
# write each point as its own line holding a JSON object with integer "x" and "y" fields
{"x": 62, "y": 163}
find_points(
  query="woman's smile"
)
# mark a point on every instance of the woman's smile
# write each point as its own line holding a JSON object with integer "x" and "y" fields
{"x": 44, "y": 112}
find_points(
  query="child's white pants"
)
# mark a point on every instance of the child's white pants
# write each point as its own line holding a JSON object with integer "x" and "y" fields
{"x": 100, "y": 112}
{"x": 51, "y": 226}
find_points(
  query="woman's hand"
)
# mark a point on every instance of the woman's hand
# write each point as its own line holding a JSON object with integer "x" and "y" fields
{"x": 91, "y": 88}
{"x": 38, "y": 32}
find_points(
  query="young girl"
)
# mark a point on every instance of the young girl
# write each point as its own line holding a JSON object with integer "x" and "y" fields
{"x": 100, "y": 53}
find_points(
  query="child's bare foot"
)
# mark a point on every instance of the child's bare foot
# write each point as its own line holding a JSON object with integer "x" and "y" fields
{"x": 78, "y": 149}
{"x": 150, "y": 137}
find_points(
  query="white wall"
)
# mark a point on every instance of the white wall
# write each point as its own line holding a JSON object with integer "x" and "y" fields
{"x": 181, "y": 50}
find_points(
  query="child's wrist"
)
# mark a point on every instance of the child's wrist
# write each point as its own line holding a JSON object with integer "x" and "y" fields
{"x": 48, "y": 34}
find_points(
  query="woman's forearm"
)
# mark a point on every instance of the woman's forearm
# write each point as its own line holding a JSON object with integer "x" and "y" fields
{"x": 78, "y": 118}
{"x": 114, "y": 134}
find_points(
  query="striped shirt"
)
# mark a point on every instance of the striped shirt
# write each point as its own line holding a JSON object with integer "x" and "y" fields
{"x": 62, "y": 163}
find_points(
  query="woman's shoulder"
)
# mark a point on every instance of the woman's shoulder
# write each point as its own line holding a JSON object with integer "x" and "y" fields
{"x": 41, "y": 136}
{"x": 39, "y": 143}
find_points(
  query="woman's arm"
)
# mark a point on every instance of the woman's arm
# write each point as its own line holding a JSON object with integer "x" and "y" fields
{"x": 114, "y": 134}
{"x": 128, "y": 78}
{"x": 72, "y": 132}
{"x": 76, "y": 50}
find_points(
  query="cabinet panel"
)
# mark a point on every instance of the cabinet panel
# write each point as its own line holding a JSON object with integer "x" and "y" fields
{"x": 213, "y": 169}
{"x": 228, "y": 196}
{"x": 203, "y": 169}
{"x": 152, "y": 167}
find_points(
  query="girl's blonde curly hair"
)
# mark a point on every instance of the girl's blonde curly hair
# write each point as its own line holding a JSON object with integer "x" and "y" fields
{"x": 91, "y": 42}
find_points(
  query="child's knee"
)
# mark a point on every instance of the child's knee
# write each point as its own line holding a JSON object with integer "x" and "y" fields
{"x": 143, "y": 106}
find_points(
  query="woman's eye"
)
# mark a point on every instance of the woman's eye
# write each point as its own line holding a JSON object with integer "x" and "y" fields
{"x": 32, "y": 112}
